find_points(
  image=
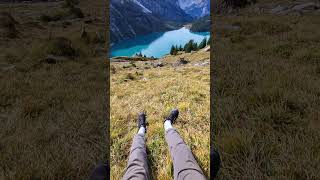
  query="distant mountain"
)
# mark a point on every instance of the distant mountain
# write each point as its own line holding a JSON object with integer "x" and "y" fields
{"x": 130, "y": 18}
{"x": 201, "y": 25}
{"x": 195, "y": 8}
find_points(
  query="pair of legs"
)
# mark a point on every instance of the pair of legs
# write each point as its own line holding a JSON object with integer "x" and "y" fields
{"x": 184, "y": 164}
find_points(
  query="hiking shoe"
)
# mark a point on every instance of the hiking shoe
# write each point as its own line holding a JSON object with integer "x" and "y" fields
{"x": 142, "y": 122}
{"x": 173, "y": 116}
{"x": 215, "y": 163}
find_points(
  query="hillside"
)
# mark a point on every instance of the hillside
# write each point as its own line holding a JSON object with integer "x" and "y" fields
{"x": 130, "y": 18}
{"x": 266, "y": 87}
{"x": 53, "y": 90}
{"x": 157, "y": 86}
{"x": 201, "y": 25}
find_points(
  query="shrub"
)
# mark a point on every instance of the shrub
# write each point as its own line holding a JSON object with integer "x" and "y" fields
{"x": 70, "y": 3}
{"x": 8, "y": 26}
{"x": 61, "y": 47}
{"x": 238, "y": 3}
{"x": 130, "y": 76}
{"x": 76, "y": 12}
{"x": 55, "y": 17}
{"x": 45, "y": 18}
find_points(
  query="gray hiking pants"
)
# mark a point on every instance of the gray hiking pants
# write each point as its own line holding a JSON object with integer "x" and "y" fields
{"x": 184, "y": 164}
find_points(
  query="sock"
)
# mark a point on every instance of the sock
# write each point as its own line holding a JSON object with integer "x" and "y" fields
{"x": 167, "y": 125}
{"x": 142, "y": 130}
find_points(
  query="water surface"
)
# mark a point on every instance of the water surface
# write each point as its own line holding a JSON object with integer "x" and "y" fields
{"x": 156, "y": 44}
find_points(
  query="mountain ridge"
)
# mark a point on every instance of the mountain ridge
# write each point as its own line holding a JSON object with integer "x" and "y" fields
{"x": 195, "y": 8}
{"x": 130, "y": 18}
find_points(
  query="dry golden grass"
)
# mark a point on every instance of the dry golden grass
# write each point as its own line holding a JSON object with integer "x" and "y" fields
{"x": 156, "y": 91}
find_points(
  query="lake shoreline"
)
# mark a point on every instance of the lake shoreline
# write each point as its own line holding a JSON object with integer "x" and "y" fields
{"x": 157, "y": 44}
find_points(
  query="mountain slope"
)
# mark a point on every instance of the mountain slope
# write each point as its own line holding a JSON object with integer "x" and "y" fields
{"x": 195, "y": 8}
{"x": 201, "y": 25}
{"x": 130, "y": 18}
{"x": 157, "y": 90}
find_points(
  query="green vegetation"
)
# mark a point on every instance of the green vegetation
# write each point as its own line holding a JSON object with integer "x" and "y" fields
{"x": 174, "y": 50}
{"x": 266, "y": 88}
{"x": 203, "y": 43}
{"x": 188, "y": 47}
{"x": 156, "y": 91}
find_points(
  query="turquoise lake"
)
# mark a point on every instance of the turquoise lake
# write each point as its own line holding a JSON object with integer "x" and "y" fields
{"x": 156, "y": 44}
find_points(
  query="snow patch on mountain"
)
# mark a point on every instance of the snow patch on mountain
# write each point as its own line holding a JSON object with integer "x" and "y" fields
{"x": 196, "y": 8}
{"x": 146, "y": 10}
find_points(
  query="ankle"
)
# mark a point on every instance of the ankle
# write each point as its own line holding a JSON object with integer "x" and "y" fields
{"x": 167, "y": 125}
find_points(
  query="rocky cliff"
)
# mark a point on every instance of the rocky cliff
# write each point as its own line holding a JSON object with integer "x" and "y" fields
{"x": 195, "y": 8}
{"x": 130, "y": 18}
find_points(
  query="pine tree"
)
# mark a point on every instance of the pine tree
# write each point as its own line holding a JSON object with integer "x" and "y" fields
{"x": 209, "y": 41}
{"x": 189, "y": 46}
{"x": 172, "y": 50}
{"x": 203, "y": 43}
{"x": 194, "y": 46}
{"x": 180, "y": 48}
{"x": 140, "y": 54}
{"x": 185, "y": 47}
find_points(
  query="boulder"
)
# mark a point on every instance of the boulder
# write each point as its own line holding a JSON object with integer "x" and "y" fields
{"x": 306, "y": 7}
{"x": 51, "y": 59}
{"x": 278, "y": 9}
{"x": 182, "y": 61}
{"x": 158, "y": 64}
{"x": 6, "y": 67}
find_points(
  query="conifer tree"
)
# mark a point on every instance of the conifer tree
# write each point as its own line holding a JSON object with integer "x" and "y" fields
{"x": 172, "y": 50}
{"x": 180, "y": 48}
{"x": 209, "y": 41}
{"x": 203, "y": 43}
{"x": 194, "y": 46}
{"x": 189, "y": 46}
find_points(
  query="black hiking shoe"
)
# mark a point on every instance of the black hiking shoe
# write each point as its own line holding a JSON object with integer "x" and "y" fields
{"x": 142, "y": 122}
{"x": 173, "y": 116}
{"x": 215, "y": 163}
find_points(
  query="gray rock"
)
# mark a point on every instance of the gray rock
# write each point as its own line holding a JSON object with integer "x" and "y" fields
{"x": 51, "y": 59}
{"x": 306, "y": 7}
{"x": 6, "y": 67}
{"x": 182, "y": 61}
{"x": 278, "y": 9}
{"x": 158, "y": 64}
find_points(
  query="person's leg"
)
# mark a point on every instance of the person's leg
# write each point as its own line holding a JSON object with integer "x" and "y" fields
{"x": 184, "y": 164}
{"x": 137, "y": 164}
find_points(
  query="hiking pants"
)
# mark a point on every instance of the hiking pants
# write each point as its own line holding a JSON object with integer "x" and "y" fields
{"x": 137, "y": 168}
{"x": 184, "y": 164}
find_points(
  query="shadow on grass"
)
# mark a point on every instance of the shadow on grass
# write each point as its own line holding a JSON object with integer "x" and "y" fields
{"x": 150, "y": 160}
{"x": 201, "y": 166}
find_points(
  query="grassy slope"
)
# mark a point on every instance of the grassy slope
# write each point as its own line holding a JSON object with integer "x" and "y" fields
{"x": 52, "y": 118}
{"x": 267, "y": 94}
{"x": 157, "y": 91}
